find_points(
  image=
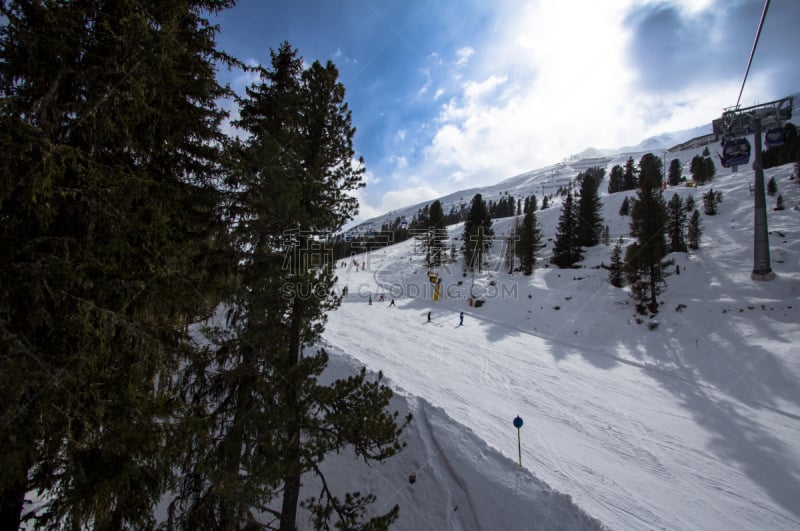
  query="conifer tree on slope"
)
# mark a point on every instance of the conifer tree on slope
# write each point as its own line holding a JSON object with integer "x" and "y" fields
{"x": 629, "y": 179}
{"x": 625, "y": 207}
{"x": 512, "y": 244}
{"x": 279, "y": 422}
{"x": 529, "y": 240}
{"x": 651, "y": 167}
{"x": 109, "y": 124}
{"x": 616, "y": 270}
{"x": 693, "y": 231}
{"x": 590, "y": 218}
{"x": 676, "y": 228}
{"x": 616, "y": 180}
{"x": 675, "y": 172}
{"x": 566, "y": 250}
{"x": 436, "y": 233}
{"x": 478, "y": 234}
{"x": 643, "y": 257}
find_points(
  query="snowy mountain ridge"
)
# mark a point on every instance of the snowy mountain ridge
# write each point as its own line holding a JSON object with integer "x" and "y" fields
{"x": 546, "y": 179}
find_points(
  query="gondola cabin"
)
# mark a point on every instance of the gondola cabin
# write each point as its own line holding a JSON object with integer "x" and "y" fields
{"x": 735, "y": 152}
{"x": 774, "y": 137}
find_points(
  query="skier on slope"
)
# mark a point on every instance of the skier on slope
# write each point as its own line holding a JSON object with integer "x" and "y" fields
{"x": 461, "y": 319}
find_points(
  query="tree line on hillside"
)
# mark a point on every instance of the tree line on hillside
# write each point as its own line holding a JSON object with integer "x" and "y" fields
{"x": 628, "y": 177}
{"x": 658, "y": 227}
{"x": 702, "y": 170}
{"x": 127, "y": 215}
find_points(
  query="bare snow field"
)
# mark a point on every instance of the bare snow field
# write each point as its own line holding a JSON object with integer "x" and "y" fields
{"x": 688, "y": 419}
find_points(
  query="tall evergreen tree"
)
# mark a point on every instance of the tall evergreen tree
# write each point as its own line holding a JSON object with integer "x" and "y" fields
{"x": 590, "y": 218}
{"x": 697, "y": 168}
{"x": 689, "y": 203}
{"x": 478, "y": 233}
{"x": 702, "y": 169}
{"x": 616, "y": 180}
{"x": 616, "y": 270}
{"x": 772, "y": 188}
{"x": 676, "y": 228}
{"x": 530, "y": 237}
{"x": 435, "y": 236}
{"x": 693, "y": 231}
{"x": 643, "y": 258}
{"x": 675, "y": 172}
{"x": 511, "y": 246}
{"x": 629, "y": 180}
{"x": 651, "y": 168}
{"x": 710, "y": 201}
{"x": 566, "y": 249}
{"x": 266, "y": 418}
{"x": 109, "y": 245}
{"x": 625, "y": 207}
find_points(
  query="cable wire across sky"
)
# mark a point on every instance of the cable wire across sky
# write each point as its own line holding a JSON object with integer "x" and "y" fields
{"x": 753, "y": 50}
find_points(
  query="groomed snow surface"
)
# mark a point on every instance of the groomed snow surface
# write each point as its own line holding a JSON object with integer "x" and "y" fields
{"x": 689, "y": 419}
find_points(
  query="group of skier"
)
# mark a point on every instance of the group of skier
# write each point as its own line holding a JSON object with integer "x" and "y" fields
{"x": 381, "y": 298}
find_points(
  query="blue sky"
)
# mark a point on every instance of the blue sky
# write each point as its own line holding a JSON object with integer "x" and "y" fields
{"x": 450, "y": 94}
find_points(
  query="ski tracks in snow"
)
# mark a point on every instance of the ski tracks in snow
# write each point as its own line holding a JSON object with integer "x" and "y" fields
{"x": 458, "y": 499}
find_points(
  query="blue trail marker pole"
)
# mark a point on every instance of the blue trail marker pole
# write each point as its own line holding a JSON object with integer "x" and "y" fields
{"x": 518, "y": 425}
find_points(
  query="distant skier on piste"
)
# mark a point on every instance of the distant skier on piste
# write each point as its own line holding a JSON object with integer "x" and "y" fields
{"x": 392, "y": 304}
{"x": 429, "y": 317}
{"x": 461, "y": 319}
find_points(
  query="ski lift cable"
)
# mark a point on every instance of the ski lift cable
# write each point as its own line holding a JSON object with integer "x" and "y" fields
{"x": 753, "y": 50}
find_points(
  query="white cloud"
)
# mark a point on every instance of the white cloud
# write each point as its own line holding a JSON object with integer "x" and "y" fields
{"x": 475, "y": 91}
{"x": 554, "y": 82}
{"x": 407, "y": 196}
{"x": 365, "y": 210}
{"x": 463, "y": 55}
{"x": 399, "y": 162}
{"x": 550, "y": 80}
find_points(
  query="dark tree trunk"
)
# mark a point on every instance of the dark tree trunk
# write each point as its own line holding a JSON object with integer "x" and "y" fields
{"x": 12, "y": 499}
{"x": 291, "y": 479}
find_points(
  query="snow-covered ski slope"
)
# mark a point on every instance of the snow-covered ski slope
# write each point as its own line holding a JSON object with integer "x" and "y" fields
{"x": 686, "y": 420}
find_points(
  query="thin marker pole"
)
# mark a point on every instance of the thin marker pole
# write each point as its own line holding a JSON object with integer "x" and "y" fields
{"x": 518, "y": 425}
